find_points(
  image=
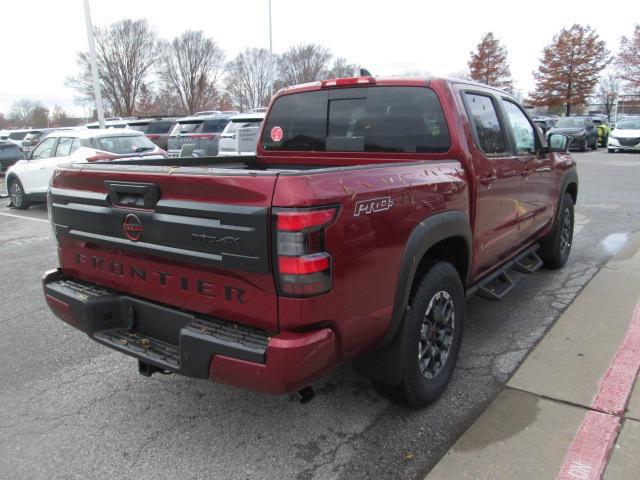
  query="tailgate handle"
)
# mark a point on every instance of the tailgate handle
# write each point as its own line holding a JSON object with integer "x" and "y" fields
{"x": 136, "y": 195}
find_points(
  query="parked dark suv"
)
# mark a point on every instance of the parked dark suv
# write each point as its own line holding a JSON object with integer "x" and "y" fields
{"x": 581, "y": 131}
{"x": 156, "y": 129}
{"x": 202, "y": 132}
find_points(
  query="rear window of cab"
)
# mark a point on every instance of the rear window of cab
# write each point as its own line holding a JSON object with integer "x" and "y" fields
{"x": 364, "y": 119}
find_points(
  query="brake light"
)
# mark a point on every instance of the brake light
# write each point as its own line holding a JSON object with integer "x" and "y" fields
{"x": 303, "y": 266}
{"x": 343, "y": 82}
{"x": 202, "y": 136}
{"x": 153, "y": 136}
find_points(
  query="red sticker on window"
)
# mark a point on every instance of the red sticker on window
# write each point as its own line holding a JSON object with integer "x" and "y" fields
{"x": 276, "y": 134}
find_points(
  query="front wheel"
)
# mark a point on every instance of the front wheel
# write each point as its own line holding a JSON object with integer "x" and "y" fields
{"x": 555, "y": 249}
{"x": 434, "y": 334}
{"x": 585, "y": 144}
{"x": 17, "y": 195}
{"x": 611, "y": 150}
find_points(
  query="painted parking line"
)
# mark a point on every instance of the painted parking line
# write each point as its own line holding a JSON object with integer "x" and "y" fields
{"x": 591, "y": 448}
{"x": 24, "y": 218}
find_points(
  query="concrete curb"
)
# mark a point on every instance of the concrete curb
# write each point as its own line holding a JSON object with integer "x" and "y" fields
{"x": 549, "y": 420}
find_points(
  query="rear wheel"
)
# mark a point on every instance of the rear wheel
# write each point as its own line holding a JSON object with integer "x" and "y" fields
{"x": 17, "y": 195}
{"x": 555, "y": 249}
{"x": 611, "y": 150}
{"x": 434, "y": 334}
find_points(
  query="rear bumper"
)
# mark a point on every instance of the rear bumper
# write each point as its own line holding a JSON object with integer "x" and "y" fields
{"x": 190, "y": 344}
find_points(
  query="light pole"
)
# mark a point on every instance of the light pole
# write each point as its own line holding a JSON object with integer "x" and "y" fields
{"x": 94, "y": 64}
{"x": 270, "y": 49}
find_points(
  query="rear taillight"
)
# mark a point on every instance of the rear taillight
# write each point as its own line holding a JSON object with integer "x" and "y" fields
{"x": 302, "y": 264}
{"x": 153, "y": 136}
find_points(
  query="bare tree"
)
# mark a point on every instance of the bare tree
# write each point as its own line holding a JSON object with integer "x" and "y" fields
{"x": 126, "y": 53}
{"x": 628, "y": 61}
{"x": 29, "y": 113}
{"x": 341, "y": 69}
{"x": 191, "y": 66}
{"x": 4, "y": 121}
{"x": 489, "y": 65}
{"x": 303, "y": 63}
{"x": 250, "y": 78}
{"x": 606, "y": 93}
{"x": 569, "y": 68}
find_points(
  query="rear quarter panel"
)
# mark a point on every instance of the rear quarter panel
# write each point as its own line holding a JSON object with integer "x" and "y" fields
{"x": 367, "y": 248}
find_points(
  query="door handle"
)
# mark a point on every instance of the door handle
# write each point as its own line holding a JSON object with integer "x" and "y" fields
{"x": 488, "y": 180}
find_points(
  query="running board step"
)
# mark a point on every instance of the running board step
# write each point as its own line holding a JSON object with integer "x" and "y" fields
{"x": 496, "y": 287}
{"x": 499, "y": 283}
{"x": 530, "y": 263}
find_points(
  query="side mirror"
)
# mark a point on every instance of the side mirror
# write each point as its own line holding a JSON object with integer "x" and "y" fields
{"x": 558, "y": 143}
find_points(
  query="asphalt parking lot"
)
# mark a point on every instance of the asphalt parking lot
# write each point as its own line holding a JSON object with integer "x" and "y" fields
{"x": 70, "y": 408}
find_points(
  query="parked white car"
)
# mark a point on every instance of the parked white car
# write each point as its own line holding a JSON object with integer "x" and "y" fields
{"x": 626, "y": 136}
{"x": 28, "y": 180}
{"x": 240, "y": 136}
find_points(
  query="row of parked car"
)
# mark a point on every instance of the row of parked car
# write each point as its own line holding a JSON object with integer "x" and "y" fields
{"x": 31, "y": 156}
{"x": 592, "y": 131}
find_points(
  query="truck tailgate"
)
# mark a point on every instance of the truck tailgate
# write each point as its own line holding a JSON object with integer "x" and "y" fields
{"x": 186, "y": 237}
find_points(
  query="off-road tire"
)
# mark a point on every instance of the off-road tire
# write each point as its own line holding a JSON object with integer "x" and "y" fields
{"x": 440, "y": 283}
{"x": 555, "y": 249}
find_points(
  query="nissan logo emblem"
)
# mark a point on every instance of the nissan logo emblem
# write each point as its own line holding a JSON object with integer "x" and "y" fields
{"x": 132, "y": 227}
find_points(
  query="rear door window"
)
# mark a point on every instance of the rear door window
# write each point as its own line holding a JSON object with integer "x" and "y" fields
{"x": 484, "y": 120}
{"x": 373, "y": 119}
{"x": 64, "y": 147}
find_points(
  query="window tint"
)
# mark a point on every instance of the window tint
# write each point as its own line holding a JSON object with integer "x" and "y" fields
{"x": 64, "y": 147}
{"x": 139, "y": 127}
{"x": 247, "y": 122}
{"x": 303, "y": 120}
{"x": 521, "y": 128}
{"x": 17, "y": 135}
{"x": 214, "y": 126}
{"x": 485, "y": 121}
{"x": 186, "y": 127}
{"x": 159, "y": 127}
{"x": 126, "y": 144}
{"x": 570, "y": 122}
{"x": 45, "y": 149}
{"x": 383, "y": 119}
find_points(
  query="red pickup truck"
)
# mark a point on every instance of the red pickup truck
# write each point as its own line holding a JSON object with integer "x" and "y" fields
{"x": 372, "y": 209}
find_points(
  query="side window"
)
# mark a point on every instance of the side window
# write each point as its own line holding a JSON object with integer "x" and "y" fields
{"x": 484, "y": 118}
{"x": 45, "y": 149}
{"x": 64, "y": 147}
{"x": 521, "y": 128}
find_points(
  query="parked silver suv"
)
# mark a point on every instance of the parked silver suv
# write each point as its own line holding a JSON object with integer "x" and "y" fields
{"x": 201, "y": 133}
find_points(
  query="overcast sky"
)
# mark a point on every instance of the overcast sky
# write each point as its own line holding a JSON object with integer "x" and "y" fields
{"x": 40, "y": 38}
